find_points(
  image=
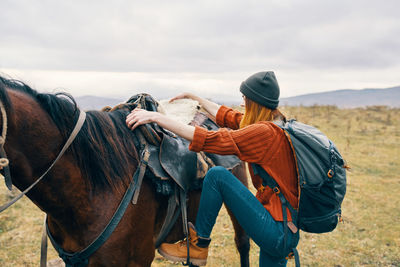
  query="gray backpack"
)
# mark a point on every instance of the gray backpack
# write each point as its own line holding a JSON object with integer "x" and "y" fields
{"x": 322, "y": 179}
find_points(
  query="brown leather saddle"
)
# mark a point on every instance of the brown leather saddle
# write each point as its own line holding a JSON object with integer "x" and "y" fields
{"x": 174, "y": 168}
{"x": 170, "y": 157}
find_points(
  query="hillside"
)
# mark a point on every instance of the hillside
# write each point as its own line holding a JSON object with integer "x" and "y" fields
{"x": 89, "y": 102}
{"x": 348, "y": 98}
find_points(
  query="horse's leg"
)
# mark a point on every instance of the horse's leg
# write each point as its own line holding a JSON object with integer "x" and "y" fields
{"x": 241, "y": 239}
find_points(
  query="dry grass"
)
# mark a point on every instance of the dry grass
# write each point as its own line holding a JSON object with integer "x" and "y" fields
{"x": 370, "y": 236}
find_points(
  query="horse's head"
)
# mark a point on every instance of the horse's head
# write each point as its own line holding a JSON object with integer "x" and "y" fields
{"x": 22, "y": 121}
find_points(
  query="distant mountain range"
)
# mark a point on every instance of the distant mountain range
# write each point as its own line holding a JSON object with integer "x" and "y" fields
{"x": 348, "y": 98}
{"x": 341, "y": 98}
{"x": 90, "y": 102}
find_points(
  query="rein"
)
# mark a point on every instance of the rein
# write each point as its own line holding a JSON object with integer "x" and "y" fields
{"x": 81, "y": 258}
{"x": 77, "y": 128}
{"x": 4, "y": 162}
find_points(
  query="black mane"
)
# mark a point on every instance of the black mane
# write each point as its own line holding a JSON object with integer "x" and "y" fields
{"x": 104, "y": 148}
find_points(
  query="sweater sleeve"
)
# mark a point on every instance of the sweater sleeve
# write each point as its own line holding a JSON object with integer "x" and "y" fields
{"x": 228, "y": 117}
{"x": 250, "y": 144}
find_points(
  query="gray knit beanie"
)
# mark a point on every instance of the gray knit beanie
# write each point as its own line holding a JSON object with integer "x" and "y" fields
{"x": 262, "y": 88}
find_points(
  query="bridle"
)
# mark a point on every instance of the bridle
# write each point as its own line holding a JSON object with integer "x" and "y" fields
{"x": 4, "y": 162}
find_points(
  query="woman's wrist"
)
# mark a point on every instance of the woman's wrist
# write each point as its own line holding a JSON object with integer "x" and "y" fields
{"x": 195, "y": 97}
{"x": 157, "y": 117}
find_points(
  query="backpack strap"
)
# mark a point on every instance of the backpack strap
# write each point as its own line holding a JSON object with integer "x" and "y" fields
{"x": 271, "y": 183}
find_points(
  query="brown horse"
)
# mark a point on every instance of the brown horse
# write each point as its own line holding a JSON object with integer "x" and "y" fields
{"x": 84, "y": 188}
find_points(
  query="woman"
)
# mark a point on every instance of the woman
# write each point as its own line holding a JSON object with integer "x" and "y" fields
{"x": 254, "y": 139}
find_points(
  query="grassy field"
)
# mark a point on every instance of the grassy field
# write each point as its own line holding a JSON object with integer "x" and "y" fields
{"x": 369, "y": 139}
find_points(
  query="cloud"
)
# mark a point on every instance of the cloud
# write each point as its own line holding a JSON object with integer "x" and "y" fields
{"x": 198, "y": 36}
{"x": 226, "y": 40}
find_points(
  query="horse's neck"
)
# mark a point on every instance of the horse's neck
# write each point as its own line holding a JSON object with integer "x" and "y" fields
{"x": 33, "y": 142}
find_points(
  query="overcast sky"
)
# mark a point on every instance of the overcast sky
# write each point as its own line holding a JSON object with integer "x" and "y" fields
{"x": 119, "y": 48}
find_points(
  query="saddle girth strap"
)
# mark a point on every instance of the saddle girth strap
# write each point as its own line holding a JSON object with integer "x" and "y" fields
{"x": 182, "y": 198}
{"x": 170, "y": 218}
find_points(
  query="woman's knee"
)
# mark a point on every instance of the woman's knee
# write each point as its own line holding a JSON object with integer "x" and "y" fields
{"x": 218, "y": 171}
{"x": 216, "y": 174}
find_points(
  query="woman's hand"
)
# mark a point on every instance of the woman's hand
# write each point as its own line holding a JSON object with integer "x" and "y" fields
{"x": 209, "y": 106}
{"x": 183, "y": 96}
{"x": 140, "y": 116}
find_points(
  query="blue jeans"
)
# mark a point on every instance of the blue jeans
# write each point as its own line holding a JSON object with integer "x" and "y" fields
{"x": 221, "y": 186}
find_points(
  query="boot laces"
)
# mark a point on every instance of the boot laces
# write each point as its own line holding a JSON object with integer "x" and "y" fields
{"x": 183, "y": 242}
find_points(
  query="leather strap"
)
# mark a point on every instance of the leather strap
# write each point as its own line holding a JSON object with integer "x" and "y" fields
{"x": 7, "y": 175}
{"x": 170, "y": 218}
{"x": 139, "y": 177}
{"x": 77, "y": 128}
{"x": 182, "y": 197}
{"x": 3, "y": 155}
{"x": 81, "y": 258}
{"x": 43, "y": 246}
{"x": 271, "y": 183}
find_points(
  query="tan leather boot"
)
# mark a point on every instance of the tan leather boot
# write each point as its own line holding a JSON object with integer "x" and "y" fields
{"x": 198, "y": 249}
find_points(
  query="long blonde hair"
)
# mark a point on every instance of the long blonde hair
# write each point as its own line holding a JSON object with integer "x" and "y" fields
{"x": 255, "y": 112}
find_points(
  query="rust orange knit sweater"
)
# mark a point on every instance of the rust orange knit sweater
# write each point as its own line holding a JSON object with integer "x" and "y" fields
{"x": 263, "y": 143}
